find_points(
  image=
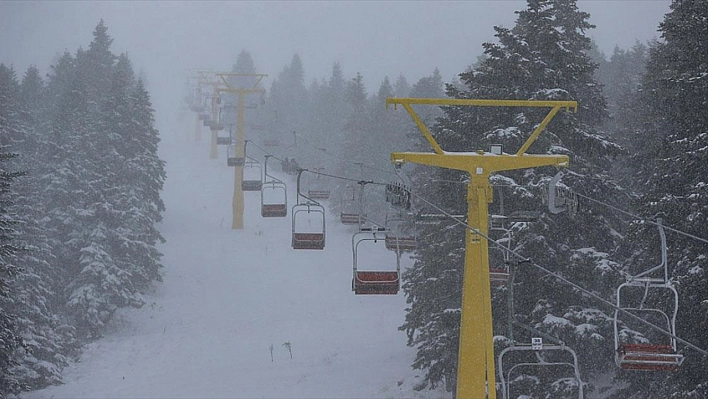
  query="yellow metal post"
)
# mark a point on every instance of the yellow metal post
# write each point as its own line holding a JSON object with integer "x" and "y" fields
{"x": 476, "y": 369}
{"x": 223, "y": 85}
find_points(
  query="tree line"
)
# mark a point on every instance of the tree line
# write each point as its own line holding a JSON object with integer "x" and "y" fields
{"x": 79, "y": 203}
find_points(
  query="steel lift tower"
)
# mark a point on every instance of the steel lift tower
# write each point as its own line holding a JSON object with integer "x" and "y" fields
{"x": 226, "y": 86}
{"x": 476, "y": 371}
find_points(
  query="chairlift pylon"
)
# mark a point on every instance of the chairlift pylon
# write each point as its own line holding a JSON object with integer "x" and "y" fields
{"x": 373, "y": 282}
{"x": 646, "y": 353}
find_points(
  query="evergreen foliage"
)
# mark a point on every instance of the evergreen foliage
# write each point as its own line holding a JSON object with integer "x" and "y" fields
{"x": 670, "y": 143}
{"x": 79, "y": 226}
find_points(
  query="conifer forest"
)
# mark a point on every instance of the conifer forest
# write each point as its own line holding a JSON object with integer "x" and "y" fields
{"x": 605, "y": 262}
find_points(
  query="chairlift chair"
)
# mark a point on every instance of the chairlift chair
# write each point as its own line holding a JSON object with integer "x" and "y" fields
{"x": 231, "y": 158}
{"x": 308, "y": 222}
{"x": 252, "y": 175}
{"x": 537, "y": 347}
{"x": 318, "y": 188}
{"x": 274, "y": 195}
{"x": 648, "y": 354}
{"x": 396, "y": 237}
{"x": 349, "y": 212}
{"x": 274, "y": 199}
{"x": 216, "y": 125}
{"x": 271, "y": 142}
{"x": 560, "y": 199}
{"x": 376, "y": 282}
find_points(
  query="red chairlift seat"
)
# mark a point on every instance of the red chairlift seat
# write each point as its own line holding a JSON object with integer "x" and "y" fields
{"x": 349, "y": 218}
{"x": 274, "y": 210}
{"x": 376, "y": 283}
{"x": 308, "y": 226}
{"x": 251, "y": 185}
{"x": 380, "y": 282}
{"x": 318, "y": 194}
{"x": 498, "y": 277}
{"x": 308, "y": 240}
{"x": 649, "y": 357}
{"x": 405, "y": 244}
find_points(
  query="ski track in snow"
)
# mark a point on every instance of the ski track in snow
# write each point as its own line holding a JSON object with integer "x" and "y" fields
{"x": 229, "y": 294}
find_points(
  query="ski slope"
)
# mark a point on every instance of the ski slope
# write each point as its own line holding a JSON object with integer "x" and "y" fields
{"x": 228, "y": 295}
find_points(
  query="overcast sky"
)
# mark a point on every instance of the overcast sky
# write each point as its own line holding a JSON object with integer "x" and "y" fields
{"x": 375, "y": 38}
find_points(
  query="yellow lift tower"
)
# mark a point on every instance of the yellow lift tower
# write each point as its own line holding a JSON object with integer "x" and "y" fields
{"x": 203, "y": 78}
{"x": 475, "y": 373}
{"x": 227, "y": 87}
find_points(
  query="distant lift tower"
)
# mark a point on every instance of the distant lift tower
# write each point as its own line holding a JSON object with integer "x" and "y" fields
{"x": 203, "y": 78}
{"x": 475, "y": 373}
{"x": 226, "y": 86}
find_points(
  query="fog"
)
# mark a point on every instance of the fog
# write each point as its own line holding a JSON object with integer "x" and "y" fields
{"x": 376, "y": 39}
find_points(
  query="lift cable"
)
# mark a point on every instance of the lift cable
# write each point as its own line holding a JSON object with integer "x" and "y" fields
{"x": 641, "y": 218}
{"x": 322, "y": 173}
{"x": 543, "y": 269}
{"x": 324, "y": 150}
{"x": 563, "y": 279}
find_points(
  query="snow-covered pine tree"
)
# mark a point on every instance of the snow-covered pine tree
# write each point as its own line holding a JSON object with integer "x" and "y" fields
{"x": 48, "y": 339}
{"x": 670, "y": 143}
{"x": 147, "y": 175}
{"x": 544, "y": 57}
{"x": 11, "y": 342}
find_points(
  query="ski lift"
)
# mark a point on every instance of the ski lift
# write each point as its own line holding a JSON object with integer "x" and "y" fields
{"x": 274, "y": 195}
{"x": 317, "y": 187}
{"x": 252, "y": 177}
{"x": 224, "y": 140}
{"x": 537, "y": 348}
{"x": 308, "y": 222}
{"x": 560, "y": 199}
{"x": 642, "y": 296}
{"x": 499, "y": 275}
{"x": 377, "y": 282}
{"x": 349, "y": 211}
{"x": 396, "y": 237}
{"x": 216, "y": 125}
{"x": 430, "y": 216}
{"x": 231, "y": 158}
{"x": 398, "y": 195}
{"x": 271, "y": 142}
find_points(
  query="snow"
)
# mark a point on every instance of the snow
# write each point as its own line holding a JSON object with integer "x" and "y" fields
{"x": 229, "y": 296}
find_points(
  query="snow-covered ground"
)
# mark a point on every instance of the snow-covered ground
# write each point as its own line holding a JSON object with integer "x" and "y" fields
{"x": 228, "y": 296}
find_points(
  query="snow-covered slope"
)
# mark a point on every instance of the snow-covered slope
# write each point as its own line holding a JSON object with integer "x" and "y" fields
{"x": 228, "y": 295}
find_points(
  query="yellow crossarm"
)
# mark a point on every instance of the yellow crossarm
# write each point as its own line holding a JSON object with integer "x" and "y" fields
{"x": 476, "y": 368}
{"x": 555, "y": 106}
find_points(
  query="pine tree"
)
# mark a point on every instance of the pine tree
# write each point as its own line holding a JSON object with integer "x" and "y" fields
{"x": 544, "y": 57}
{"x": 671, "y": 161}
{"x": 10, "y": 340}
{"x": 48, "y": 339}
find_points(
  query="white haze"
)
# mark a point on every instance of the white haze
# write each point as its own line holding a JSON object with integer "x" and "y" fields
{"x": 376, "y": 39}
